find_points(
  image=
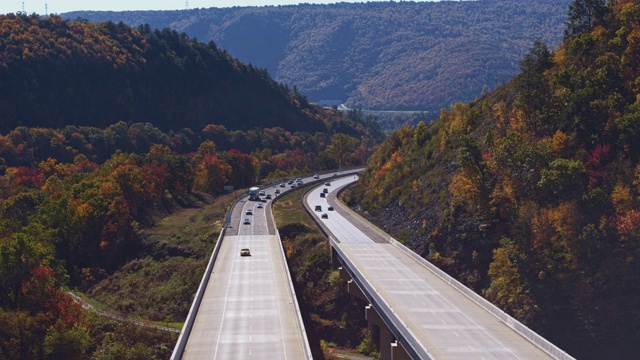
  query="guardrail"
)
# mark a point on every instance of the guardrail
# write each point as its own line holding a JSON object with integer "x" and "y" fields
{"x": 400, "y": 330}
{"x": 188, "y": 325}
{"x": 507, "y": 319}
{"x": 193, "y": 311}
{"x": 301, "y": 329}
{"x": 542, "y": 343}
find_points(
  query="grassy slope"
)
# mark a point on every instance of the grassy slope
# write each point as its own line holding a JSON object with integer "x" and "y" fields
{"x": 327, "y": 308}
{"x": 160, "y": 283}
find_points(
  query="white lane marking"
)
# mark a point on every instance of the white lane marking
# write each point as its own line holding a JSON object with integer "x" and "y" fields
{"x": 407, "y": 270}
{"x": 226, "y": 295}
{"x": 271, "y": 257}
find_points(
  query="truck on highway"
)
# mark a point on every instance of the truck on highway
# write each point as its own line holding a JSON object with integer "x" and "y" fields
{"x": 254, "y": 194}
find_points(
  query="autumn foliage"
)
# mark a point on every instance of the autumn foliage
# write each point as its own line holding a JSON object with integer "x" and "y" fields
{"x": 530, "y": 195}
{"x": 74, "y": 198}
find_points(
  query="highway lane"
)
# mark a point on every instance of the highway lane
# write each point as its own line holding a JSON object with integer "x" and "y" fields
{"x": 247, "y": 311}
{"x": 443, "y": 320}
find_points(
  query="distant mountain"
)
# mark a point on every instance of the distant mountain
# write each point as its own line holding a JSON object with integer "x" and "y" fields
{"x": 374, "y": 55}
{"x": 55, "y": 72}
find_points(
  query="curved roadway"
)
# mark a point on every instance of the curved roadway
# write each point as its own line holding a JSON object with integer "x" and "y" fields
{"x": 446, "y": 323}
{"x": 248, "y": 310}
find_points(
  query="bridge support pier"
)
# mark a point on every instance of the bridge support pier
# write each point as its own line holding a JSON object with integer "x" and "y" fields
{"x": 386, "y": 342}
{"x": 335, "y": 262}
{"x": 385, "y": 337}
{"x": 354, "y": 289}
{"x": 398, "y": 352}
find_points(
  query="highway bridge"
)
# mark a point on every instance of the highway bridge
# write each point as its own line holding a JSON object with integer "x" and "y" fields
{"x": 419, "y": 311}
{"x": 246, "y": 307}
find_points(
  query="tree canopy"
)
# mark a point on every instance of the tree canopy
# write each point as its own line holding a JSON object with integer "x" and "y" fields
{"x": 393, "y": 55}
{"x": 530, "y": 194}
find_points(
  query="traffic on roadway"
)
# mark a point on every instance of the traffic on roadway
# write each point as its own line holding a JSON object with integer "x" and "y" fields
{"x": 442, "y": 321}
{"x": 248, "y": 309}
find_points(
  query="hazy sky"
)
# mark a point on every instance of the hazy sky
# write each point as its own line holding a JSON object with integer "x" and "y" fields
{"x": 60, "y": 6}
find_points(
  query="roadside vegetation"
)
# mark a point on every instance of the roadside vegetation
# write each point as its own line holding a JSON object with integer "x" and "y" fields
{"x": 333, "y": 319}
{"x": 126, "y": 214}
{"x": 530, "y": 195}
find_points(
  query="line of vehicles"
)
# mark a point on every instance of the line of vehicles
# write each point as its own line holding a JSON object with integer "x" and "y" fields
{"x": 256, "y": 194}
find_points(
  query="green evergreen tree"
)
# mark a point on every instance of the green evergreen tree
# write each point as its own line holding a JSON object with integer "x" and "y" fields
{"x": 583, "y": 15}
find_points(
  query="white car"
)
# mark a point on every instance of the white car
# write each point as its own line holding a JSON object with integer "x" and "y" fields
{"x": 247, "y": 222}
{"x": 249, "y": 212}
{"x": 316, "y": 176}
{"x": 259, "y": 206}
{"x": 245, "y": 252}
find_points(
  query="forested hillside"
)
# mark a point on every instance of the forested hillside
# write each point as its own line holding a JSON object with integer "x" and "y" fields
{"x": 375, "y": 55}
{"x": 55, "y": 73}
{"x": 530, "y": 195}
{"x": 77, "y": 202}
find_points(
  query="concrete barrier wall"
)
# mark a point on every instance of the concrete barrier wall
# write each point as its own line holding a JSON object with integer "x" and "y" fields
{"x": 401, "y": 331}
{"x": 507, "y": 319}
{"x": 301, "y": 329}
{"x": 193, "y": 311}
{"x": 520, "y": 328}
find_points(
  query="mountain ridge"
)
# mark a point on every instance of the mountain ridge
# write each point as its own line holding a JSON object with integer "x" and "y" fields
{"x": 378, "y": 55}
{"x": 55, "y": 72}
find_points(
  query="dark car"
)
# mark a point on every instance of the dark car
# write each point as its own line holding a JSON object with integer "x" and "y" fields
{"x": 324, "y": 216}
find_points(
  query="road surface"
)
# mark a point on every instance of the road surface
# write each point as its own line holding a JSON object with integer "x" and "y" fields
{"x": 444, "y": 321}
